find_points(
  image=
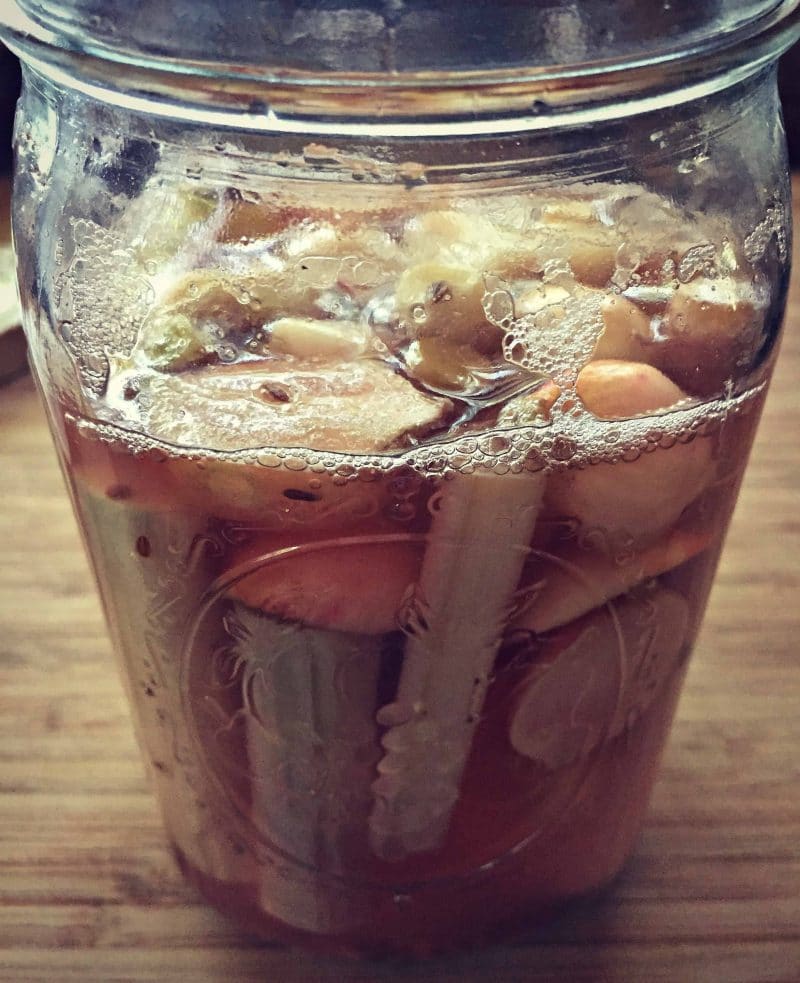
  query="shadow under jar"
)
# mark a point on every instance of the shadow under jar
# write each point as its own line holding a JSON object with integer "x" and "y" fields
{"x": 403, "y": 379}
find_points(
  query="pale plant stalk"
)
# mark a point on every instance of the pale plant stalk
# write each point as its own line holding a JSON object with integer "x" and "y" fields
{"x": 308, "y": 698}
{"x": 477, "y": 546}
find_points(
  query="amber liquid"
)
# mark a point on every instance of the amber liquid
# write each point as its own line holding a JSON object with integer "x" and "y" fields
{"x": 263, "y": 732}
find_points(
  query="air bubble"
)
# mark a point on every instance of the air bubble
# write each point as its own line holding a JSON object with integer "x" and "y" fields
{"x": 564, "y": 448}
{"x": 419, "y": 314}
{"x": 227, "y": 353}
{"x": 498, "y": 306}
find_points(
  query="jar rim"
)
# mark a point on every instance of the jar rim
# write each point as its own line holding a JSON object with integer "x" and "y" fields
{"x": 478, "y": 101}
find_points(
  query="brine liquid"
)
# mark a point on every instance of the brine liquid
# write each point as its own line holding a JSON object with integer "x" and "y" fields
{"x": 272, "y": 610}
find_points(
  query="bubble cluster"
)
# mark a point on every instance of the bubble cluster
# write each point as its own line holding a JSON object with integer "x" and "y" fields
{"x": 773, "y": 225}
{"x": 103, "y": 298}
{"x": 698, "y": 260}
{"x": 569, "y": 442}
{"x": 556, "y": 342}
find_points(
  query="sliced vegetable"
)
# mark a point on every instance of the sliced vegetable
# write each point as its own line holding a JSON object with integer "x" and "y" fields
{"x": 347, "y": 585}
{"x": 307, "y": 338}
{"x": 603, "y": 681}
{"x": 308, "y": 701}
{"x": 471, "y": 568}
{"x": 151, "y": 570}
{"x": 275, "y": 499}
{"x": 361, "y": 407}
{"x": 573, "y": 580}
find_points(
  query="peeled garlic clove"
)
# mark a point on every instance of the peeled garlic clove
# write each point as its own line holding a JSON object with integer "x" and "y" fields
{"x": 616, "y": 389}
{"x": 626, "y": 329}
{"x": 720, "y": 310}
{"x": 306, "y": 338}
{"x": 632, "y": 499}
{"x": 534, "y": 299}
{"x": 589, "y": 246}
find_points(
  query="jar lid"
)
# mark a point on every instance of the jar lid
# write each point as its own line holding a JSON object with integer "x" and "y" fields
{"x": 395, "y": 36}
{"x": 409, "y": 59}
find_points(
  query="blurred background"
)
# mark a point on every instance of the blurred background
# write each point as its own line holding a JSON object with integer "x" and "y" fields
{"x": 12, "y": 344}
{"x": 12, "y": 348}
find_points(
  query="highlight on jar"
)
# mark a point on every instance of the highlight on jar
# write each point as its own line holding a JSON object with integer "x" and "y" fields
{"x": 414, "y": 513}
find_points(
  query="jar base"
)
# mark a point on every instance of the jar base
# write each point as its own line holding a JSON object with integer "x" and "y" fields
{"x": 418, "y": 939}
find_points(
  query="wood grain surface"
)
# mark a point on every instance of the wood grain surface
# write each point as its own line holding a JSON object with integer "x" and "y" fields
{"x": 88, "y": 891}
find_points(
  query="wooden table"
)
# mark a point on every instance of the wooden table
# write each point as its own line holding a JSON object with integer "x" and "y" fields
{"x": 88, "y": 891}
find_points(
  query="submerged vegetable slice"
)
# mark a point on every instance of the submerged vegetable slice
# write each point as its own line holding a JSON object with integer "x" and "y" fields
{"x": 475, "y": 554}
{"x": 575, "y": 580}
{"x": 603, "y": 680}
{"x": 640, "y": 499}
{"x": 308, "y": 701}
{"x": 361, "y": 407}
{"x": 354, "y": 585}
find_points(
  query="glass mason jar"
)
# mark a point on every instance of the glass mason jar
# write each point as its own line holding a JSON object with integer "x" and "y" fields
{"x": 403, "y": 379}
